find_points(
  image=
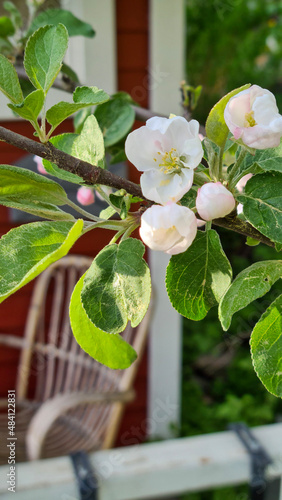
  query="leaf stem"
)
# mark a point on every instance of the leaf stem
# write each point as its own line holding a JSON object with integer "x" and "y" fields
{"x": 82, "y": 211}
{"x": 231, "y": 182}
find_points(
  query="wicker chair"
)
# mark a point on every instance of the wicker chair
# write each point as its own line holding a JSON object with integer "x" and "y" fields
{"x": 65, "y": 400}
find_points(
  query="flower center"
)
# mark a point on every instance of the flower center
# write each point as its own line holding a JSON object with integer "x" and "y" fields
{"x": 249, "y": 119}
{"x": 170, "y": 162}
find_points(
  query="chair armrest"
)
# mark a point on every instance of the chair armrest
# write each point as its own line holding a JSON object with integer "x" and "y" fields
{"x": 54, "y": 408}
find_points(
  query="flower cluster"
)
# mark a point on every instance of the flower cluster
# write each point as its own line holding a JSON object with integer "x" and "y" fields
{"x": 167, "y": 150}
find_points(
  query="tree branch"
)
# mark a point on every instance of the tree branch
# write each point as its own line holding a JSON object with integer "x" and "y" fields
{"x": 96, "y": 175}
{"x": 232, "y": 222}
{"x": 89, "y": 173}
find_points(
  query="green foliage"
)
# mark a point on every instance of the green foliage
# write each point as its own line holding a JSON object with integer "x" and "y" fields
{"x": 250, "y": 284}
{"x": 117, "y": 287}
{"x": 60, "y": 16}
{"x": 232, "y": 43}
{"x": 197, "y": 278}
{"x": 122, "y": 201}
{"x": 262, "y": 204}
{"x": 30, "y": 108}
{"x": 265, "y": 159}
{"x": 219, "y": 385}
{"x": 266, "y": 348}
{"x": 6, "y": 27}
{"x": 82, "y": 97}
{"x": 32, "y": 193}
{"x": 216, "y": 128}
{"x": 110, "y": 350}
{"x": 89, "y": 145}
{"x": 9, "y": 82}
{"x": 44, "y": 54}
{"x": 15, "y": 15}
{"x": 115, "y": 118}
{"x": 29, "y": 249}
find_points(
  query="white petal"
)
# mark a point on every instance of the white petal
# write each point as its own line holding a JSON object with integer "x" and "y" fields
{"x": 162, "y": 188}
{"x": 141, "y": 147}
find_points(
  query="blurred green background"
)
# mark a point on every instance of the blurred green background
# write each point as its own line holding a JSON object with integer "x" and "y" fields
{"x": 229, "y": 43}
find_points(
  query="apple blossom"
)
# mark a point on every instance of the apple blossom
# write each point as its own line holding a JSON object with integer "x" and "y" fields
{"x": 85, "y": 196}
{"x": 253, "y": 116}
{"x": 166, "y": 150}
{"x": 214, "y": 201}
{"x": 40, "y": 168}
{"x": 170, "y": 228}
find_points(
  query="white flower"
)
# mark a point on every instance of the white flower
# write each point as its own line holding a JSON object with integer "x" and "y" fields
{"x": 171, "y": 228}
{"x": 253, "y": 116}
{"x": 214, "y": 201}
{"x": 85, "y": 196}
{"x": 166, "y": 150}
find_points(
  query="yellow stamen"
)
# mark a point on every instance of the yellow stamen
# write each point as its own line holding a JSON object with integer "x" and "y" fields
{"x": 250, "y": 120}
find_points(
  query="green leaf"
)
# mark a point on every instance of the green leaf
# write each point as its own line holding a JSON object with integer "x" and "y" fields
{"x": 69, "y": 72}
{"x": 266, "y": 159}
{"x": 107, "y": 213}
{"x": 55, "y": 16}
{"x": 32, "y": 193}
{"x": 189, "y": 199}
{"x": 29, "y": 249}
{"x": 90, "y": 95}
{"x": 115, "y": 118}
{"x": 252, "y": 242}
{"x": 6, "y": 27}
{"x": 266, "y": 348}
{"x": 89, "y": 145}
{"x": 6, "y": 48}
{"x": 64, "y": 142}
{"x": 9, "y": 82}
{"x": 216, "y": 128}
{"x": 15, "y": 14}
{"x": 62, "y": 110}
{"x": 117, "y": 287}
{"x": 262, "y": 204}
{"x": 30, "y": 108}
{"x": 249, "y": 285}
{"x": 197, "y": 278}
{"x": 110, "y": 350}
{"x": 44, "y": 54}
{"x": 79, "y": 119}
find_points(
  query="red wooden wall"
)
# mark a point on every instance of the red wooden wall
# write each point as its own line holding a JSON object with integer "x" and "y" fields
{"x": 132, "y": 57}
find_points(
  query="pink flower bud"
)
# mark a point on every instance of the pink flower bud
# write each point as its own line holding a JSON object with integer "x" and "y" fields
{"x": 85, "y": 196}
{"x": 39, "y": 164}
{"x": 214, "y": 201}
{"x": 170, "y": 228}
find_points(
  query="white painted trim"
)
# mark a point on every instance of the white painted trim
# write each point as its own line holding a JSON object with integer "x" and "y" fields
{"x": 151, "y": 470}
{"x": 167, "y": 60}
{"x": 93, "y": 59}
